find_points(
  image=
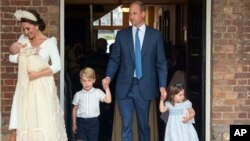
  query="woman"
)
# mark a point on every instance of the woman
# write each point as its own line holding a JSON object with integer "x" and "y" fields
{"x": 36, "y": 113}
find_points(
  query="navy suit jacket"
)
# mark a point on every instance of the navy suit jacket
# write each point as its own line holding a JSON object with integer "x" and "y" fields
{"x": 154, "y": 64}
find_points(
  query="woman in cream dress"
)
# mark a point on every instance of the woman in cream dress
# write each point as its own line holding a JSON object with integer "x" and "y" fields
{"x": 36, "y": 114}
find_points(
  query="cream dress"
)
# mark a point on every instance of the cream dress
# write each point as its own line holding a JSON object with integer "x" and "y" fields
{"x": 38, "y": 115}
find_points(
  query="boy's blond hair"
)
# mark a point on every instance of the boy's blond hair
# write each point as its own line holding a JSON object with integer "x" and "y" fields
{"x": 88, "y": 72}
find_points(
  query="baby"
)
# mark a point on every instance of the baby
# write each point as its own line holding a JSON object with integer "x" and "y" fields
{"x": 28, "y": 57}
{"x": 16, "y": 47}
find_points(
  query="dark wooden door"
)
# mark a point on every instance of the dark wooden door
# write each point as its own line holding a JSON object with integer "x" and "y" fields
{"x": 196, "y": 54}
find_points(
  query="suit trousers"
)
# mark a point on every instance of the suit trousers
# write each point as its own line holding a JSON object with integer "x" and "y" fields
{"x": 134, "y": 101}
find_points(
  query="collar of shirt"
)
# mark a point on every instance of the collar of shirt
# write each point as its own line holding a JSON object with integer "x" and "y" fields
{"x": 91, "y": 90}
{"x": 140, "y": 34}
{"x": 142, "y": 29}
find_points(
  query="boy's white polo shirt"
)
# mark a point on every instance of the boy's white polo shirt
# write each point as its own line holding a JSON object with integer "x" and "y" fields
{"x": 89, "y": 102}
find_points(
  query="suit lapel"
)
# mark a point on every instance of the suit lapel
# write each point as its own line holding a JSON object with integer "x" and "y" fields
{"x": 131, "y": 43}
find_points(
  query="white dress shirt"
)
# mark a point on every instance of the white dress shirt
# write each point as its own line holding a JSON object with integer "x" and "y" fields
{"x": 88, "y": 102}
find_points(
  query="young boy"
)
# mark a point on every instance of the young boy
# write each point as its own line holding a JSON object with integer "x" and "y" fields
{"x": 86, "y": 107}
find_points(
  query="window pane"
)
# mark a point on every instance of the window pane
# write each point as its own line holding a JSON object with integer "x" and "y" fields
{"x": 109, "y": 35}
{"x": 96, "y": 23}
{"x": 105, "y": 20}
{"x": 117, "y": 16}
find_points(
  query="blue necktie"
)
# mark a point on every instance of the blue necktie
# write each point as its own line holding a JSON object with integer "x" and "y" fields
{"x": 138, "y": 70}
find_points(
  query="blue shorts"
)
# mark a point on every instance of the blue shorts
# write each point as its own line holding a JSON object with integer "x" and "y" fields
{"x": 87, "y": 129}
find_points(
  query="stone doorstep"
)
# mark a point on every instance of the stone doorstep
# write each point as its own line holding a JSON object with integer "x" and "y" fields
{"x": 5, "y": 137}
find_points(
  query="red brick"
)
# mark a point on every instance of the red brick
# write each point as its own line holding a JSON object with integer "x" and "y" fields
{"x": 231, "y": 29}
{"x": 222, "y": 108}
{"x": 37, "y": 2}
{"x": 7, "y": 95}
{"x": 20, "y": 2}
{"x": 242, "y": 121}
{"x": 217, "y": 35}
{"x": 217, "y": 115}
{"x": 8, "y": 36}
{"x": 6, "y": 108}
{"x": 219, "y": 29}
{"x": 246, "y": 29}
{"x": 5, "y": 2}
{"x": 8, "y": 88}
{"x": 227, "y": 22}
{"x": 245, "y": 36}
{"x": 247, "y": 101}
{"x": 241, "y": 88}
{"x": 7, "y": 29}
{"x": 6, "y": 101}
{"x": 8, "y": 9}
{"x": 242, "y": 115}
{"x": 222, "y": 122}
{"x": 9, "y": 82}
{"x": 229, "y": 115}
{"x": 10, "y": 69}
{"x": 242, "y": 82}
{"x": 228, "y": 36}
{"x": 51, "y": 2}
{"x": 17, "y": 29}
{"x": 231, "y": 102}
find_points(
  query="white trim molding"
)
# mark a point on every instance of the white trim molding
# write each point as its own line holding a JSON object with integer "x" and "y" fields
{"x": 62, "y": 48}
{"x": 208, "y": 72}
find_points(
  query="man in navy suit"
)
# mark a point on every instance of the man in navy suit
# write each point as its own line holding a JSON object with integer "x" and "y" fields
{"x": 133, "y": 91}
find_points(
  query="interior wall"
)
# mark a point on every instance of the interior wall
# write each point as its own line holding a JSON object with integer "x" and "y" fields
{"x": 171, "y": 9}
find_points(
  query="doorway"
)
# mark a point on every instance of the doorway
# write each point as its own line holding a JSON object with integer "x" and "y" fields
{"x": 78, "y": 29}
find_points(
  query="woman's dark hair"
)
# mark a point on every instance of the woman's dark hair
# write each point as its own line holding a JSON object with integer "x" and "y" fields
{"x": 40, "y": 22}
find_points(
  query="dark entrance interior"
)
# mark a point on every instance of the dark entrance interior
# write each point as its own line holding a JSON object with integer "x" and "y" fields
{"x": 188, "y": 31}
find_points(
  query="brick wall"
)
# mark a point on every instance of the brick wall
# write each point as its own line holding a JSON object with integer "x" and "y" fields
{"x": 231, "y": 66}
{"x": 10, "y": 31}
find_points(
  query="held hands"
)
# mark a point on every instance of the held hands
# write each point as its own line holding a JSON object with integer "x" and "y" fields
{"x": 105, "y": 83}
{"x": 163, "y": 93}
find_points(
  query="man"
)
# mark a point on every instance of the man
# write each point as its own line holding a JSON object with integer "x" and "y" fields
{"x": 139, "y": 78}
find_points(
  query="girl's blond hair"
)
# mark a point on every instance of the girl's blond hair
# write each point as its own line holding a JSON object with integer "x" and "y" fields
{"x": 88, "y": 72}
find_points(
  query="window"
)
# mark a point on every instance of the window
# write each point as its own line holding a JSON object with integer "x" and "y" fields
{"x": 108, "y": 25}
{"x": 117, "y": 16}
{"x": 114, "y": 18}
{"x": 109, "y": 35}
{"x": 106, "y": 20}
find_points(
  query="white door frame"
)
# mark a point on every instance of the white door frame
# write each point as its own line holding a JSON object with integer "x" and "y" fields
{"x": 208, "y": 64}
{"x": 62, "y": 49}
{"x": 208, "y": 71}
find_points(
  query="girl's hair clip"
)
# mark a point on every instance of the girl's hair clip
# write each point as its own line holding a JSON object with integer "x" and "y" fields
{"x": 179, "y": 85}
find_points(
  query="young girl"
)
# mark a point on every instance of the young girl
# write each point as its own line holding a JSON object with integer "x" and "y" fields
{"x": 181, "y": 115}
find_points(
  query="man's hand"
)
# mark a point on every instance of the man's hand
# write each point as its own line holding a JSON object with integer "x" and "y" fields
{"x": 105, "y": 83}
{"x": 163, "y": 93}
